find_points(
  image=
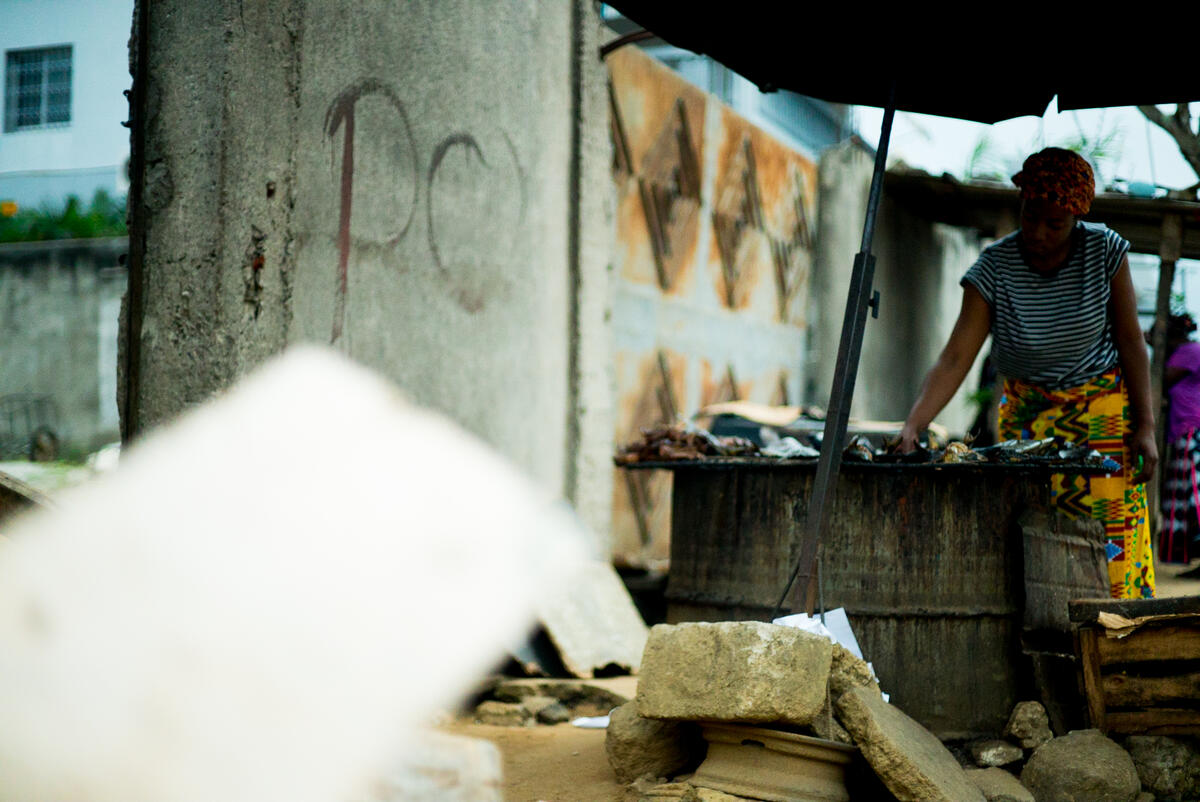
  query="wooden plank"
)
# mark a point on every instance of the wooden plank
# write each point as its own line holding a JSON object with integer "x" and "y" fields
{"x": 1156, "y": 722}
{"x": 1151, "y": 643}
{"x": 1086, "y": 610}
{"x": 1131, "y": 690}
{"x": 1089, "y": 658}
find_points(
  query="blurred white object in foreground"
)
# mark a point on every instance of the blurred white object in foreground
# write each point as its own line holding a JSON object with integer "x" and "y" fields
{"x": 231, "y": 615}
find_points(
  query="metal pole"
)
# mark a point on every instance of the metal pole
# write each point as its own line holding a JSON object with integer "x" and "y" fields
{"x": 838, "y": 413}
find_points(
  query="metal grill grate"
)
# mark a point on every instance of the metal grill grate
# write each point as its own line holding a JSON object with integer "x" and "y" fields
{"x": 37, "y": 88}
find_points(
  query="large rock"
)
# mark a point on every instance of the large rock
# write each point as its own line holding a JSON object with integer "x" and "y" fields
{"x": 438, "y": 767}
{"x": 848, "y": 671}
{"x": 1081, "y": 766}
{"x": 1029, "y": 725}
{"x": 995, "y": 753}
{"x": 999, "y": 786}
{"x": 910, "y": 760}
{"x": 743, "y": 671}
{"x": 641, "y": 747}
{"x": 1168, "y": 767}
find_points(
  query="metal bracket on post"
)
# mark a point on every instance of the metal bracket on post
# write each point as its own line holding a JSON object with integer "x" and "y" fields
{"x": 837, "y": 414}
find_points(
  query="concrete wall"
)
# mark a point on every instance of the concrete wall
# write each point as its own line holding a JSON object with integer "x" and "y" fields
{"x": 918, "y": 266}
{"x": 712, "y": 259}
{"x": 59, "y": 303}
{"x": 90, "y": 151}
{"x": 419, "y": 185}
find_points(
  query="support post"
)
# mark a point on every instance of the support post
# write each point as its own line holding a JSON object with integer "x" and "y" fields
{"x": 1169, "y": 251}
{"x": 838, "y": 412}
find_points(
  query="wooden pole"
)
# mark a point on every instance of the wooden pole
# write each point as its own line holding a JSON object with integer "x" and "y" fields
{"x": 1169, "y": 250}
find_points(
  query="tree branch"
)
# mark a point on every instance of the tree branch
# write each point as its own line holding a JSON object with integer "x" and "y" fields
{"x": 1179, "y": 126}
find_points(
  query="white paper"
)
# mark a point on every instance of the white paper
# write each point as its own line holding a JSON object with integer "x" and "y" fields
{"x": 836, "y": 627}
{"x": 591, "y": 722}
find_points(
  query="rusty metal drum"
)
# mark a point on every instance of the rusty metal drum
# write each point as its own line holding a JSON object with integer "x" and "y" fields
{"x": 926, "y": 560}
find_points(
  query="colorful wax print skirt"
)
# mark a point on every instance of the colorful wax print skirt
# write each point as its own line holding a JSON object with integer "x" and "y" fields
{"x": 1095, "y": 414}
{"x": 1180, "y": 537}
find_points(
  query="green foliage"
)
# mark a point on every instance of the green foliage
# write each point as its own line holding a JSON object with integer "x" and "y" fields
{"x": 1178, "y": 304}
{"x": 986, "y": 162}
{"x": 1102, "y": 149}
{"x": 104, "y": 217}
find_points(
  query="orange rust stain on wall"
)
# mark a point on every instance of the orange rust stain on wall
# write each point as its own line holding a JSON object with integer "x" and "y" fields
{"x": 658, "y": 132}
{"x": 721, "y": 384}
{"x": 642, "y": 499}
{"x": 762, "y": 213}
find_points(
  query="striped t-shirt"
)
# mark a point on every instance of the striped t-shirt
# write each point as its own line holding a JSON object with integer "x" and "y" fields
{"x": 1052, "y": 329}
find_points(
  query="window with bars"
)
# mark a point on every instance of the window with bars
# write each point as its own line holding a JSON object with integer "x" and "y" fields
{"x": 37, "y": 88}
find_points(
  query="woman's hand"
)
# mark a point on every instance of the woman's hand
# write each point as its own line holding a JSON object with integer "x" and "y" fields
{"x": 1142, "y": 444}
{"x": 908, "y": 442}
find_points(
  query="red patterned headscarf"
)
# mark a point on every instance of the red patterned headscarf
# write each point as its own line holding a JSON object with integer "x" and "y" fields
{"x": 1059, "y": 176}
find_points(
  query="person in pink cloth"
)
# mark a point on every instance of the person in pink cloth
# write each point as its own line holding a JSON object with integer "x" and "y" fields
{"x": 1180, "y": 537}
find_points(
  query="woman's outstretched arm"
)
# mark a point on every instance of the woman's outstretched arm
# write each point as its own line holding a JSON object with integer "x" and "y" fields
{"x": 942, "y": 381}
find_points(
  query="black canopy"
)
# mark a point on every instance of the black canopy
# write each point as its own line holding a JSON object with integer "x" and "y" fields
{"x": 951, "y": 70}
{"x": 956, "y": 70}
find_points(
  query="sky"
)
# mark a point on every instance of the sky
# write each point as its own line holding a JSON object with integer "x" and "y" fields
{"x": 1146, "y": 153}
{"x": 1143, "y": 153}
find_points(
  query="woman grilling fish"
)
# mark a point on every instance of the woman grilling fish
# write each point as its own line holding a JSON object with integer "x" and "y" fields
{"x": 1057, "y": 297}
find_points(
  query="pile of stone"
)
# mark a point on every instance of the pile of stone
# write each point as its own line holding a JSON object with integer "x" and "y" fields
{"x": 785, "y": 679}
{"x": 529, "y": 702}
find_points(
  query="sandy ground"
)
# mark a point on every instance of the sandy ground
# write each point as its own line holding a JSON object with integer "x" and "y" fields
{"x": 553, "y": 764}
{"x": 1168, "y": 583}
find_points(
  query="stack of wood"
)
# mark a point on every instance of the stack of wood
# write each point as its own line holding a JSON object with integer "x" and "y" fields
{"x": 1140, "y": 661}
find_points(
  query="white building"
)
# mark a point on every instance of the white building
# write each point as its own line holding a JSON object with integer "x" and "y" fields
{"x": 65, "y": 65}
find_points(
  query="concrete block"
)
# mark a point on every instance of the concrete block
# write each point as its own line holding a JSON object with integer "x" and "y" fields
{"x": 744, "y": 671}
{"x": 848, "y": 671}
{"x": 593, "y": 622}
{"x": 910, "y": 760}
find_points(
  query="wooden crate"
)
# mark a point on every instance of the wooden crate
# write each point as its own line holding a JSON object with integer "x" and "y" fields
{"x": 1147, "y": 682}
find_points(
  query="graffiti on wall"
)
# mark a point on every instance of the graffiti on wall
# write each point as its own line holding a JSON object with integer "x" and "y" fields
{"x": 404, "y": 200}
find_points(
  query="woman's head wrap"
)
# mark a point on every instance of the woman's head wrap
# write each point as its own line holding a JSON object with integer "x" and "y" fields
{"x": 1059, "y": 176}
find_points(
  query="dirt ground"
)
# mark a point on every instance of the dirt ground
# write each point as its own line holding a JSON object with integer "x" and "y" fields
{"x": 550, "y": 764}
{"x": 568, "y": 764}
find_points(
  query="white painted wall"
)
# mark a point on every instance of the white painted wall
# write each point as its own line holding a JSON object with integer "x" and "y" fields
{"x": 94, "y": 144}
